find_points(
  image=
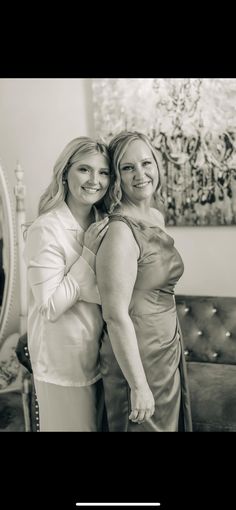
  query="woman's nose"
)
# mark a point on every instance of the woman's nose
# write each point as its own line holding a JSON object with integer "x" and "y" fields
{"x": 139, "y": 170}
{"x": 93, "y": 178}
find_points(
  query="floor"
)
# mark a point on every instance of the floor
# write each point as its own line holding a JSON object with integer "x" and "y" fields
{"x": 11, "y": 412}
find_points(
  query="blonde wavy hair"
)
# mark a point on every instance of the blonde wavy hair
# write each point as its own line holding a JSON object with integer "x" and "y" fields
{"x": 57, "y": 190}
{"x": 117, "y": 147}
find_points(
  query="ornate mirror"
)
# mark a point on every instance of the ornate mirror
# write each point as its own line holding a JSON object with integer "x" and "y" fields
{"x": 14, "y": 387}
{"x": 8, "y": 261}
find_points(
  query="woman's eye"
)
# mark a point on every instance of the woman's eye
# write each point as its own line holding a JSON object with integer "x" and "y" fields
{"x": 127, "y": 168}
{"x": 83, "y": 169}
{"x": 147, "y": 163}
{"x": 105, "y": 172}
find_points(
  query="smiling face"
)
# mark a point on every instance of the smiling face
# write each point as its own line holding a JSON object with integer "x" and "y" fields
{"x": 88, "y": 179}
{"x": 139, "y": 173}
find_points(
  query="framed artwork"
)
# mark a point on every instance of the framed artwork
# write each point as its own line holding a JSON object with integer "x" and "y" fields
{"x": 192, "y": 123}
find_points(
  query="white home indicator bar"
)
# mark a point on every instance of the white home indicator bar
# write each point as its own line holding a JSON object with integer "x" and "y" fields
{"x": 118, "y": 504}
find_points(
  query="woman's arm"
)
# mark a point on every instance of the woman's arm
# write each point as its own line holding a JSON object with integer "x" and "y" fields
{"x": 116, "y": 268}
{"x": 55, "y": 291}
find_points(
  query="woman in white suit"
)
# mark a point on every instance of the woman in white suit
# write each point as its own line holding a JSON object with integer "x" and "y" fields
{"x": 64, "y": 314}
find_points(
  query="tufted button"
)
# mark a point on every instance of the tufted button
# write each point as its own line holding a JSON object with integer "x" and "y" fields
{"x": 199, "y": 333}
{"x": 186, "y": 309}
{"x": 186, "y": 352}
{"x": 214, "y": 310}
{"x": 26, "y": 353}
{"x": 215, "y": 354}
{"x": 37, "y": 418}
{"x": 36, "y": 406}
{"x": 227, "y": 333}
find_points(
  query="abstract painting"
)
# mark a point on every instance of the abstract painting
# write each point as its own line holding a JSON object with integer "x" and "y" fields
{"x": 192, "y": 123}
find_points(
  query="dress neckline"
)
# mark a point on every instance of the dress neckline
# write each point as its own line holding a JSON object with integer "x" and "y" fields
{"x": 137, "y": 220}
{"x": 151, "y": 225}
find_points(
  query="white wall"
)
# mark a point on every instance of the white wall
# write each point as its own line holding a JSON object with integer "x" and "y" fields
{"x": 39, "y": 116}
{"x": 209, "y": 255}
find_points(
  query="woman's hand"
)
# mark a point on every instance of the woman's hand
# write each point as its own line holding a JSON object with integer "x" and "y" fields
{"x": 95, "y": 233}
{"x": 142, "y": 404}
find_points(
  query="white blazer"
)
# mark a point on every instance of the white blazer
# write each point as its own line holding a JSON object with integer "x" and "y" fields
{"x": 64, "y": 313}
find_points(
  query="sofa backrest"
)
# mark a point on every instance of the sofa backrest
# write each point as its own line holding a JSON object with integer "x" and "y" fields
{"x": 209, "y": 328}
{"x": 209, "y": 334}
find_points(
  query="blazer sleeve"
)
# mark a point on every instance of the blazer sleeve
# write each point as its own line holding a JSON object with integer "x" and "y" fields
{"x": 54, "y": 289}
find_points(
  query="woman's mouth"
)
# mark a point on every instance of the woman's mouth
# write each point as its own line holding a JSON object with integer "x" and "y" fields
{"x": 142, "y": 184}
{"x": 90, "y": 190}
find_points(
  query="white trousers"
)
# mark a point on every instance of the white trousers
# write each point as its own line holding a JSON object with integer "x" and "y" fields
{"x": 69, "y": 409}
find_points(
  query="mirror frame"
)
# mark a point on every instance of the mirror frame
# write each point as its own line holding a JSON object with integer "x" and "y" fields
{"x": 7, "y": 322}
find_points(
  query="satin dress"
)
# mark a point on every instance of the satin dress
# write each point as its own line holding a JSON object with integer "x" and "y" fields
{"x": 153, "y": 313}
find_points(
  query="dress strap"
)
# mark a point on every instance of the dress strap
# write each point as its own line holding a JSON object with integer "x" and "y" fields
{"x": 118, "y": 217}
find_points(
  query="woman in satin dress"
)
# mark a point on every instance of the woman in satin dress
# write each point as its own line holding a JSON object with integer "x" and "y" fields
{"x": 141, "y": 357}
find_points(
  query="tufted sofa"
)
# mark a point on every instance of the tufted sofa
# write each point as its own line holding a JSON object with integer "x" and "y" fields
{"x": 209, "y": 331}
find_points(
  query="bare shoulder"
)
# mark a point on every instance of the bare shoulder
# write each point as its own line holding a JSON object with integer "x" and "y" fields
{"x": 117, "y": 226}
{"x": 117, "y": 259}
{"x": 119, "y": 239}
